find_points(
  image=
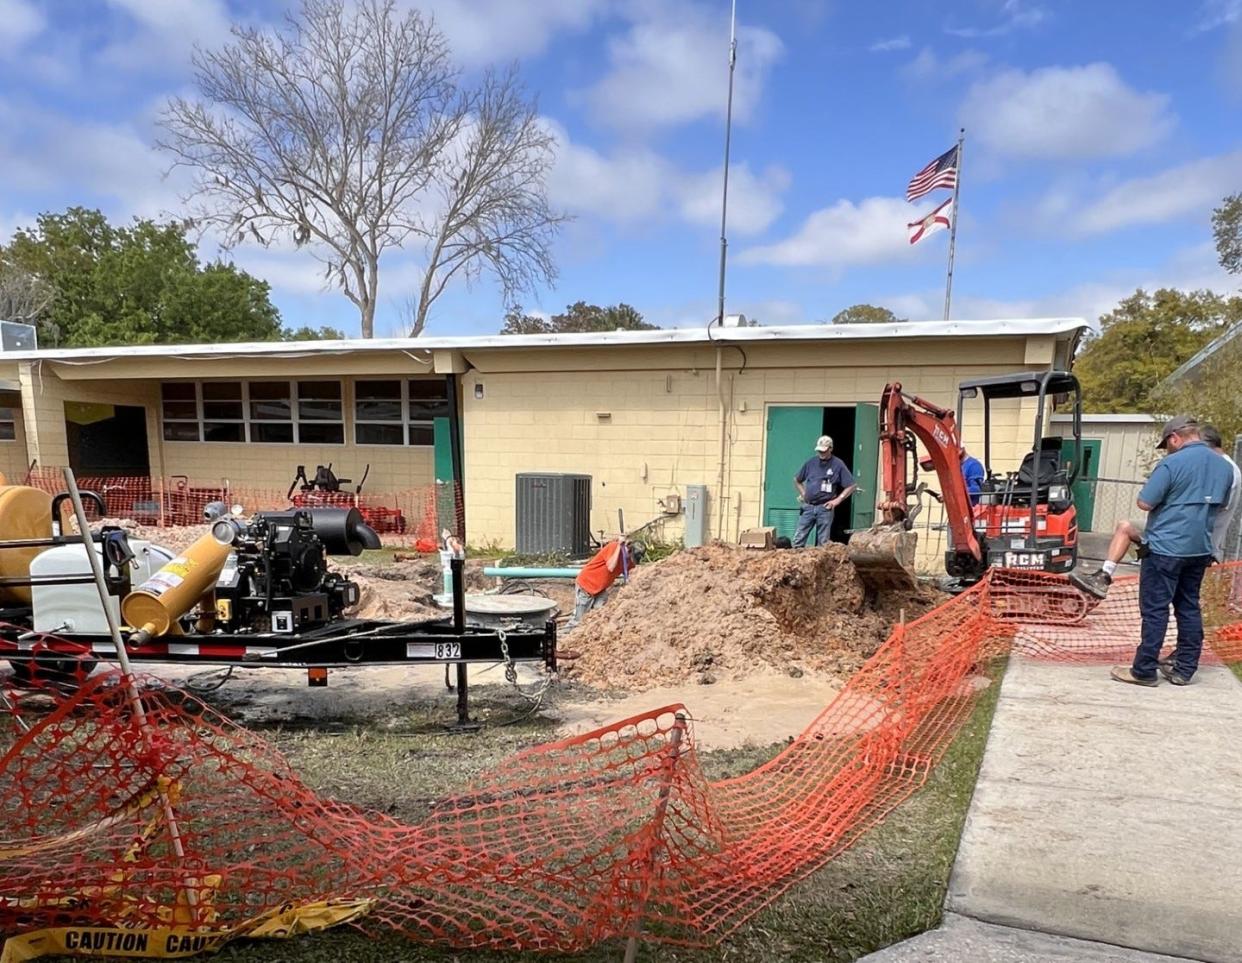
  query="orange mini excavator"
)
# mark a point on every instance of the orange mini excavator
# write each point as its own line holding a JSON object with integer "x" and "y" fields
{"x": 1023, "y": 519}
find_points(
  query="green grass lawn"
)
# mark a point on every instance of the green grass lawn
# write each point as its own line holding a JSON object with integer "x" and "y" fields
{"x": 890, "y": 885}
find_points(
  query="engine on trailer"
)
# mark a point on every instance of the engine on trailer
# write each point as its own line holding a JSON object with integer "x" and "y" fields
{"x": 277, "y": 578}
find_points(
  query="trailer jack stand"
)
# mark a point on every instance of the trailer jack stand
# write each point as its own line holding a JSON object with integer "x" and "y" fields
{"x": 464, "y": 723}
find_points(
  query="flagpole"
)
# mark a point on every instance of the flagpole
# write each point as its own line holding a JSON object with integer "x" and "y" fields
{"x": 957, "y": 184}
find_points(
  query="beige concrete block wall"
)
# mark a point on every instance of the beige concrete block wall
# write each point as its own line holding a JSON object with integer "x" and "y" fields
{"x": 13, "y": 461}
{"x": 643, "y": 433}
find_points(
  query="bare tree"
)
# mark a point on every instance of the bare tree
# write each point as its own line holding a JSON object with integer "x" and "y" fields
{"x": 349, "y": 132}
{"x": 24, "y": 296}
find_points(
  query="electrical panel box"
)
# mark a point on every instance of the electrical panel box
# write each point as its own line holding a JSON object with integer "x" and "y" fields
{"x": 553, "y": 514}
{"x": 696, "y": 516}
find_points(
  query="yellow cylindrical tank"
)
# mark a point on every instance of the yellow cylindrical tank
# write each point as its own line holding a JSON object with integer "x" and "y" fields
{"x": 155, "y": 605}
{"x": 24, "y": 513}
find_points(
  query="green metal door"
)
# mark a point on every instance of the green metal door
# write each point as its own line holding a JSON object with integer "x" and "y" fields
{"x": 1084, "y": 485}
{"x": 865, "y": 464}
{"x": 443, "y": 450}
{"x": 791, "y": 434}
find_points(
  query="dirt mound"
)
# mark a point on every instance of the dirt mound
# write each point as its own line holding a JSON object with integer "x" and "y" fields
{"x": 721, "y": 612}
{"x": 402, "y": 590}
{"x": 175, "y": 539}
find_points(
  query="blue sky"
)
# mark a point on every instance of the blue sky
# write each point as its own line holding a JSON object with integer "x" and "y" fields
{"x": 1099, "y": 137}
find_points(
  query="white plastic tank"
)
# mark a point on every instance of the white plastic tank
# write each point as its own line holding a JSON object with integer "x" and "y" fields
{"x": 75, "y": 609}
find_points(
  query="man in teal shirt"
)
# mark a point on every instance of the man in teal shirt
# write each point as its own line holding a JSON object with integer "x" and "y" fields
{"x": 1182, "y": 497}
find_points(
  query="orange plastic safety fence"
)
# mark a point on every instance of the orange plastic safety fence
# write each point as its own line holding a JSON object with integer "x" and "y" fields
{"x": 400, "y": 518}
{"x": 562, "y": 846}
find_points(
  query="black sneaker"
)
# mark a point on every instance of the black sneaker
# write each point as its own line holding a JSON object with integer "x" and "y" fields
{"x": 1093, "y": 583}
{"x": 1171, "y": 673}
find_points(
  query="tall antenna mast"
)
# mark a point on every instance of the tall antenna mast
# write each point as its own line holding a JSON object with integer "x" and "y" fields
{"x": 724, "y": 198}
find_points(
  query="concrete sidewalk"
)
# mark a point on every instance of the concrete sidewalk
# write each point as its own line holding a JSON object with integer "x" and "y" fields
{"x": 1110, "y": 813}
{"x": 1106, "y": 825}
{"x": 963, "y": 940}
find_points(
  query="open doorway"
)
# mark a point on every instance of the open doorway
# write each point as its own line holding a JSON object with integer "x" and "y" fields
{"x": 107, "y": 440}
{"x": 838, "y": 424}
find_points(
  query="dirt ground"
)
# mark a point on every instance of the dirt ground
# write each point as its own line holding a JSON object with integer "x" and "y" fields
{"x": 722, "y": 612}
{"x": 763, "y": 708}
{"x": 754, "y": 643}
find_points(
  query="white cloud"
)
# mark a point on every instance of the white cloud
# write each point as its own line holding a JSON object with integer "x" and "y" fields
{"x": 1217, "y": 13}
{"x": 1190, "y": 269}
{"x": 634, "y": 185}
{"x": 1193, "y": 188}
{"x": 1064, "y": 112}
{"x": 870, "y": 232}
{"x": 20, "y": 22}
{"x": 165, "y": 32}
{"x": 488, "y": 31}
{"x": 670, "y": 66}
{"x": 1015, "y": 15}
{"x": 754, "y": 199}
{"x": 891, "y": 43}
{"x": 927, "y": 65}
{"x": 624, "y": 187}
{"x": 110, "y": 164}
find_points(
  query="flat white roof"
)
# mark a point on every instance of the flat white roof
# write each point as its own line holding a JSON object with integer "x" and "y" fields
{"x": 700, "y": 335}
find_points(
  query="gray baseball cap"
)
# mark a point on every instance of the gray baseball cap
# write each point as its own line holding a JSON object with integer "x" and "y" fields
{"x": 1174, "y": 425}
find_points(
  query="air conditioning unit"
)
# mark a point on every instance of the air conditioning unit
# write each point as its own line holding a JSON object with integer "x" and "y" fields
{"x": 553, "y": 514}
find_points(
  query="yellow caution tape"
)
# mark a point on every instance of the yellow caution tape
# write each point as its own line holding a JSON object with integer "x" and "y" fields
{"x": 168, "y": 943}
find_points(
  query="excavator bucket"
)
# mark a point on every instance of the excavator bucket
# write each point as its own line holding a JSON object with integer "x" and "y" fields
{"x": 884, "y": 557}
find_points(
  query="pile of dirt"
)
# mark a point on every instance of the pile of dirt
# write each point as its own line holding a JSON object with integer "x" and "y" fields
{"x": 402, "y": 589}
{"x": 723, "y": 612}
{"x": 175, "y": 539}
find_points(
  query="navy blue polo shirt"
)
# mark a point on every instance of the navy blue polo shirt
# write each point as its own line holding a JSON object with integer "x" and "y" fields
{"x": 824, "y": 480}
{"x": 1185, "y": 490}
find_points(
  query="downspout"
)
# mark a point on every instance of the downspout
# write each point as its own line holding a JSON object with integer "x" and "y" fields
{"x": 720, "y": 468}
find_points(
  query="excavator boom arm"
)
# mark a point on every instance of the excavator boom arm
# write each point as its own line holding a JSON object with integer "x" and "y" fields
{"x": 936, "y": 427}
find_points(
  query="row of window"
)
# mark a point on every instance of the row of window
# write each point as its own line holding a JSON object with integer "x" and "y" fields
{"x": 386, "y": 412}
{"x": 8, "y": 424}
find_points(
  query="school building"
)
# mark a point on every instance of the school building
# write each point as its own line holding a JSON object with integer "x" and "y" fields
{"x": 644, "y": 413}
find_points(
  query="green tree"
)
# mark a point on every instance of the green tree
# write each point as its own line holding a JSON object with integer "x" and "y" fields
{"x": 135, "y": 284}
{"x": 1210, "y": 393}
{"x": 577, "y": 317}
{"x": 1143, "y": 340}
{"x": 1227, "y": 230}
{"x": 865, "y": 314}
{"x": 306, "y": 333}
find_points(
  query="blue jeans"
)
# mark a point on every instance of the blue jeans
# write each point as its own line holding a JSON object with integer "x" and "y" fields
{"x": 818, "y": 517}
{"x": 1165, "y": 579}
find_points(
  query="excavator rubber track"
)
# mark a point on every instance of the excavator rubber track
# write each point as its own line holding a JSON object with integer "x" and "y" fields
{"x": 884, "y": 557}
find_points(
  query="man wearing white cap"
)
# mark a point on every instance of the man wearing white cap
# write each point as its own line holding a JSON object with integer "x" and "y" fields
{"x": 1181, "y": 497}
{"x": 823, "y": 483}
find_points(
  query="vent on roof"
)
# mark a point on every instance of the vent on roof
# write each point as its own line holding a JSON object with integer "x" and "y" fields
{"x": 15, "y": 336}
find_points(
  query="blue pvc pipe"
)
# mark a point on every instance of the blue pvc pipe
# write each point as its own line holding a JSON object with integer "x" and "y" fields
{"x": 518, "y": 571}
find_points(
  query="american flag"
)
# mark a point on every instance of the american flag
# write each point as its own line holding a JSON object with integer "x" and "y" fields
{"x": 938, "y": 220}
{"x": 942, "y": 172}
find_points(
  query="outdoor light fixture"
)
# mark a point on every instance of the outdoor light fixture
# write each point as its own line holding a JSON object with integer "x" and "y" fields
{"x": 478, "y": 389}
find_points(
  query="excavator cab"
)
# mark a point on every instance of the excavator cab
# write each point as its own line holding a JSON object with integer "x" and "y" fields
{"x": 1024, "y": 518}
